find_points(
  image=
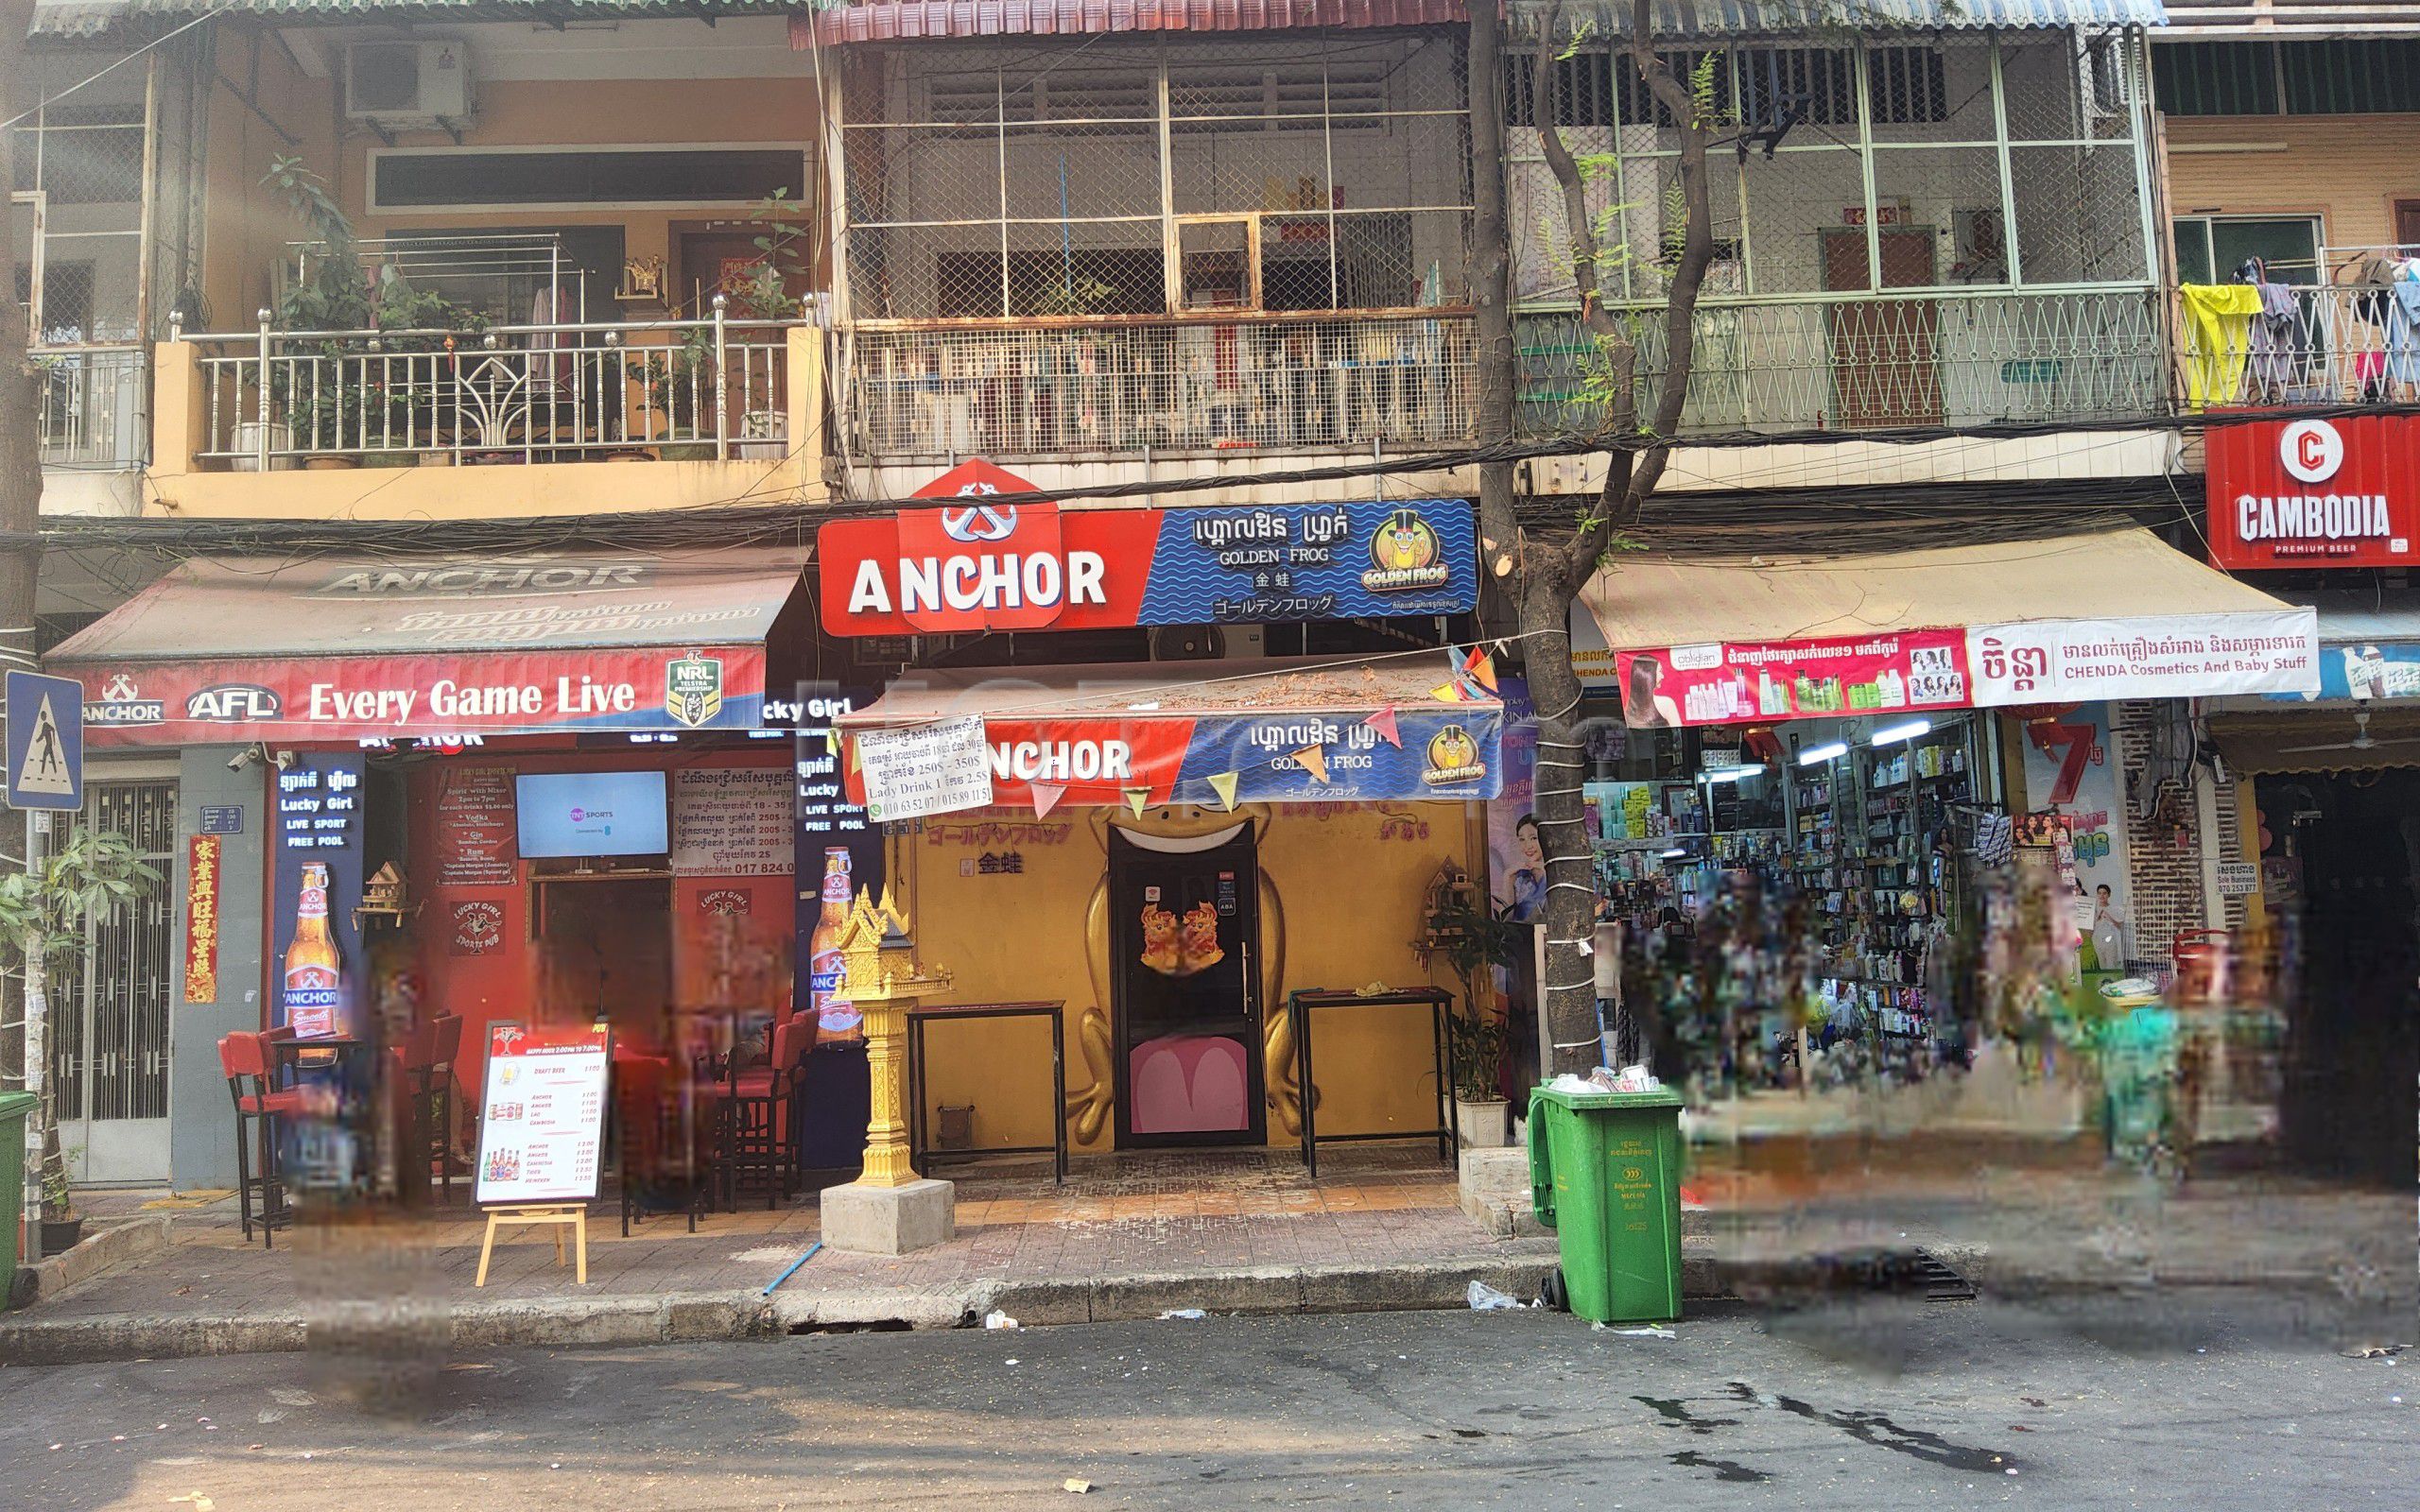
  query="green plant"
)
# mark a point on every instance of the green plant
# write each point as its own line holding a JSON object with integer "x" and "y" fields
{"x": 58, "y": 1196}
{"x": 93, "y": 873}
{"x": 1472, "y": 942}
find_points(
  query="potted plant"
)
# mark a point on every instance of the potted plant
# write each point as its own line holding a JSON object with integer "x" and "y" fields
{"x": 61, "y": 1225}
{"x": 1472, "y": 942}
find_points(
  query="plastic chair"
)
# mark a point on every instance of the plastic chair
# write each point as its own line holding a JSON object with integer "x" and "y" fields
{"x": 245, "y": 1059}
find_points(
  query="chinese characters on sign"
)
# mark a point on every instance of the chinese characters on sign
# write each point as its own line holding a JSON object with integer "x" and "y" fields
{"x": 201, "y": 919}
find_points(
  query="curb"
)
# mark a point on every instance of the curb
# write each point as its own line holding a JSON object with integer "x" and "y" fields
{"x": 407, "y": 1326}
{"x": 101, "y": 1249}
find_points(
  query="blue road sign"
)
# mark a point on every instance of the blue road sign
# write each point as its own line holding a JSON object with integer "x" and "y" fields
{"x": 45, "y": 742}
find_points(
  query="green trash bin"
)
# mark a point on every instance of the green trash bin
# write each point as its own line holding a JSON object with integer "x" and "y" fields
{"x": 1605, "y": 1175}
{"x": 15, "y": 1107}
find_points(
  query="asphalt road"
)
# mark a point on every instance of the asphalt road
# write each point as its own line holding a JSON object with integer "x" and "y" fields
{"x": 2203, "y": 1401}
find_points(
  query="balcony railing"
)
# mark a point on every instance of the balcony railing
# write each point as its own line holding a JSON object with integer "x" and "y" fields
{"x": 692, "y": 389}
{"x": 91, "y": 407}
{"x": 1870, "y": 362}
{"x": 2335, "y": 344}
{"x": 1245, "y": 384}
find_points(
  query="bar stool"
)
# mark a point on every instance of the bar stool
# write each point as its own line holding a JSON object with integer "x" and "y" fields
{"x": 761, "y": 1138}
{"x": 245, "y": 1059}
{"x": 429, "y": 1062}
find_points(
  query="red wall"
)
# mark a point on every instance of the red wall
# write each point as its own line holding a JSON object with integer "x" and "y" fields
{"x": 751, "y": 950}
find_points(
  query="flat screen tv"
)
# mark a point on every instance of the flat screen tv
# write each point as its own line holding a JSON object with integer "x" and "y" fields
{"x": 592, "y": 814}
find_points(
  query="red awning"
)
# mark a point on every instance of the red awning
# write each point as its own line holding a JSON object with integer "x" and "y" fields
{"x": 345, "y": 647}
{"x": 893, "y": 20}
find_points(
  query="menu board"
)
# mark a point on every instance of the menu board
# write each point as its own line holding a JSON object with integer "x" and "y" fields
{"x": 474, "y": 828}
{"x": 733, "y": 821}
{"x": 542, "y": 1117}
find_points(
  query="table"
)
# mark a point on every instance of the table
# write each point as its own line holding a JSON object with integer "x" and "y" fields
{"x": 1056, "y": 1012}
{"x": 1299, "y": 1004}
{"x": 343, "y": 1066}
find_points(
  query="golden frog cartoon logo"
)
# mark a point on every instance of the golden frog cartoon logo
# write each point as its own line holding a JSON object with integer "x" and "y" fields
{"x": 1406, "y": 556}
{"x": 1453, "y": 758}
{"x": 693, "y": 688}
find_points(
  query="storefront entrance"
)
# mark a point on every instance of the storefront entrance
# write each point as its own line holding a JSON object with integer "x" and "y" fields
{"x": 109, "y": 994}
{"x": 1185, "y": 931}
{"x": 2353, "y": 1027}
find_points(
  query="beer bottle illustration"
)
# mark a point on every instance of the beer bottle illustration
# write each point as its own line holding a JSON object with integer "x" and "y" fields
{"x": 836, "y": 1020}
{"x": 314, "y": 976}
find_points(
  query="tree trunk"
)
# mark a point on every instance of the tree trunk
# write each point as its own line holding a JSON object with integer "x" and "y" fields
{"x": 20, "y": 515}
{"x": 1568, "y": 913}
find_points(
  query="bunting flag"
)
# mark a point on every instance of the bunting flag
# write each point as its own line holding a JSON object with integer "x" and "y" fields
{"x": 1313, "y": 758}
{"x": 850, "y": 746}
{"x": 1045, "y": 798}
{"x": 1473, "y": 677}
{"x": 1223, "y": 784}
{"x": 1139, "y": 798}
{"x": 1384, "y": 723}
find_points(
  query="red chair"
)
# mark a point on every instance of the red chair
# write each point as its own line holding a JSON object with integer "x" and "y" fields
{"x": 245, "y": 1059}
{"x": 761, "y": 1142}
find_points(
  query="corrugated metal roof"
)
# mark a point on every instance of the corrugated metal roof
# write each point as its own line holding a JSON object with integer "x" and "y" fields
{"x": 890, "y": 20}
{"x": 67, "y": 19}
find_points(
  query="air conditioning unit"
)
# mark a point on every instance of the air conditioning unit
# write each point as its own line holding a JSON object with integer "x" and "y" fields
{"x": 408, "y": 83}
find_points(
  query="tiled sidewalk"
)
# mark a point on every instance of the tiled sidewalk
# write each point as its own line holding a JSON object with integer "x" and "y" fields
{"x": 1116, "y": 1216}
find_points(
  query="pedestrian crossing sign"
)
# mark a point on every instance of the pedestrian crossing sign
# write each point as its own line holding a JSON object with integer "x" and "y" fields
{"x": 46, "y": 718}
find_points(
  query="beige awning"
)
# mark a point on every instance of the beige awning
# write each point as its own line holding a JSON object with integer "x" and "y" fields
{"x": 2116, "y": 614}
{"x": 2302, "y": 741}
{"x": 1647, "y": 599}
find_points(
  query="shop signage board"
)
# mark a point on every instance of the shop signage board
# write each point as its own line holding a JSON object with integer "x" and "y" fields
{"x": 2198, "y": 656}
{"x": 471, "y": 693}
{"x": 542, "y": 1113}
{"x": 2373, "y": 669}
{"x": 733, "y": 821}
{"x": 315, "y": 882}
{"x": 1729, "y": 684}
{"x": 934, "y": 768}
{"x": 478, "y": 844}
{"x": 2306, "y": 493}
{"x": 977, "y": 565}
{"x": 1449, "y": 752}
{"x": 201, "y": 918}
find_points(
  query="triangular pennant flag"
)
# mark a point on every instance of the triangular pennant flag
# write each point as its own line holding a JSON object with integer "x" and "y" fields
{"x": 1045, "y": 798}
{"x": 1384, "y": 723}
{"x": 851, "y": 748}
{"x": 1139, "y": 798}
{"x": 1447, "y": 691}
{"x": 1223, "y": 784}
{"x": 1480, "y": 667}
{"x": 1313, "y": 758}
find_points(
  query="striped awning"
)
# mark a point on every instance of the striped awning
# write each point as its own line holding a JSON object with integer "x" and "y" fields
{"x": 892, "y": 19}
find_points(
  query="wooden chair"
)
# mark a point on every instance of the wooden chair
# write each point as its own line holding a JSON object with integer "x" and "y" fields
{"x": 762, "y": 1142}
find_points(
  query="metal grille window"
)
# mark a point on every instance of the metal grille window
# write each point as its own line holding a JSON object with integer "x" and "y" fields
{"x": 1080, "y": 182}
{"x": 1869, "y": 169}
{"x": 2374, "y": 76}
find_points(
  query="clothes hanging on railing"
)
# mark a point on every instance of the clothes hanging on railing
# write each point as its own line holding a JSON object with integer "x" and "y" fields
{"x": 2278, "y": 345}
{"x": 2218, "y": 327}
{"x": 2403, "y": 324}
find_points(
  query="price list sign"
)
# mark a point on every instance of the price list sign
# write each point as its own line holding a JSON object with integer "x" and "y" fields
{"x": 542, "y": 1123}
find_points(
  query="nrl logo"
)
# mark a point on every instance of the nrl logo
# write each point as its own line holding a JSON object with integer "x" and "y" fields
{"x": 693, "y": 689}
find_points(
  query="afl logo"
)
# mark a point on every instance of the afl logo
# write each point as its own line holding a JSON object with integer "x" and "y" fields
{"x": 976, "y": 524}
{"x": 2312, "y": 450}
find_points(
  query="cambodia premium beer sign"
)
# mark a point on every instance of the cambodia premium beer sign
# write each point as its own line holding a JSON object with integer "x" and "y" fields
{"x": 2315, "y": 493}
{"x": 973, "y": 564}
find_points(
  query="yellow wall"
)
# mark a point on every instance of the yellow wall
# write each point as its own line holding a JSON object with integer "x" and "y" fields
{"x": 2349, "y": 168}
{"x": 1350, "y": 880}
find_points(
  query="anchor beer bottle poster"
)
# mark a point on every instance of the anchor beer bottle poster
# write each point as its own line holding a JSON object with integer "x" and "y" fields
{"x": 316, "y": 806}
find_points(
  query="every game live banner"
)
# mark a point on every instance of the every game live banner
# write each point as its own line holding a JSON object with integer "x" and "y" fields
{"x": 1983, "y": 666}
